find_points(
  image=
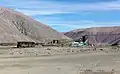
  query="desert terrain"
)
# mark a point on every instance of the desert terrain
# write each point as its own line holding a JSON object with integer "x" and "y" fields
{"x": 15, "y": 28}
{"x": 59, "y": 60}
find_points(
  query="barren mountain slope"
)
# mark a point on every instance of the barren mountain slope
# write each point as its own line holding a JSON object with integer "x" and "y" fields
{"x": 97, "y": 35}
{"x": 15, "y": 26}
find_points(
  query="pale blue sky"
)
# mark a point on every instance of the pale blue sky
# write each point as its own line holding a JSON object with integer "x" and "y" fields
{"x": 66, "y": 15}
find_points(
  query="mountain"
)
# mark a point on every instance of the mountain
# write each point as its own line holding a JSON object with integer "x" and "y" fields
{"x": 15, "y": 26}
{"x": 97, "y": 35}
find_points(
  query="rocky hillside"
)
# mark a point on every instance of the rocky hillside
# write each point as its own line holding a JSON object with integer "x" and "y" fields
{"x": 15, "y": 26}
{"x": 97, "y": 35}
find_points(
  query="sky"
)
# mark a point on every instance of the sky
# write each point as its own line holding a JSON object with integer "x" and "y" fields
{"x": 66, "y": 15}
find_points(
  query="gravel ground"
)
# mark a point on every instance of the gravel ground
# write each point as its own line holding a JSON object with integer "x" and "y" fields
{"x": 56, "y": 60}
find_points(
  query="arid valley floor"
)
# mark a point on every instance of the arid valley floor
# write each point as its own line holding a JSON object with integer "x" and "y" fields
{"x": 56, "y": 60}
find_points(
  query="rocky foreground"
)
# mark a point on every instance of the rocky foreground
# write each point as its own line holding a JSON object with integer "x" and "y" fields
{"x": 59, "y": 60}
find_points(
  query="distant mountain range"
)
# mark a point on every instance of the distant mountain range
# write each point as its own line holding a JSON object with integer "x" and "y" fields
{"x": 97, "y": 35}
